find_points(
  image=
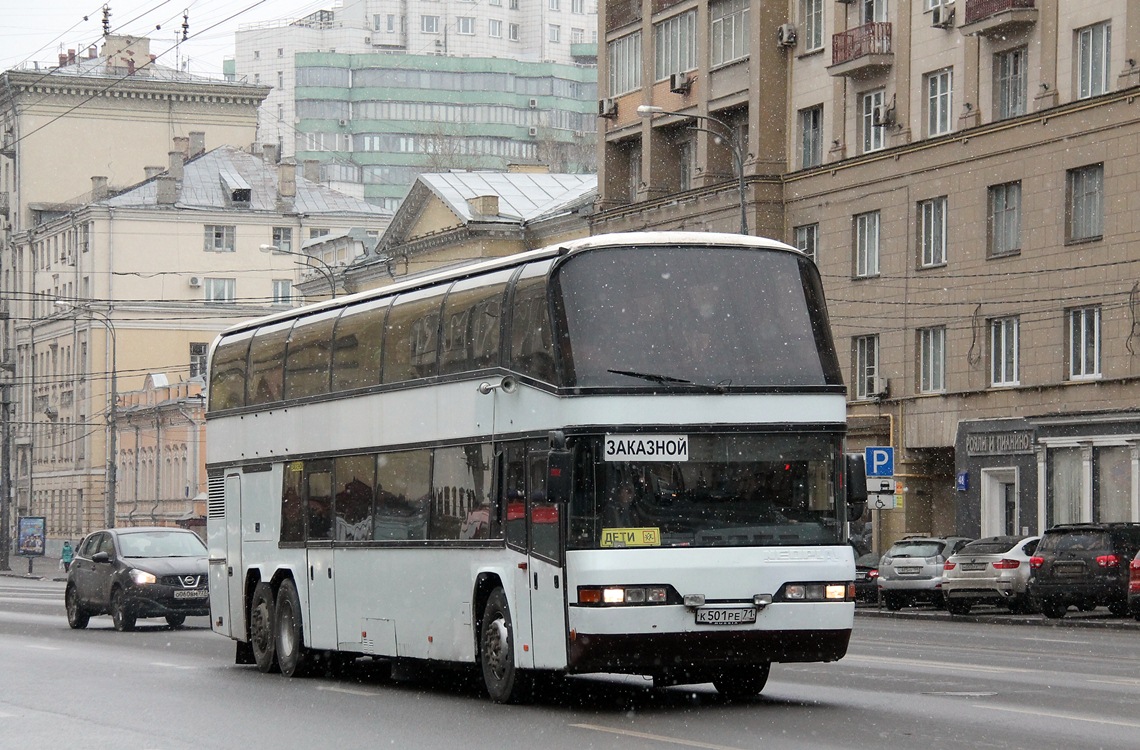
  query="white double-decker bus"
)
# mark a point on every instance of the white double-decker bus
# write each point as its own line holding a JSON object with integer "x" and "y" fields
{"x": 622, "y": 454}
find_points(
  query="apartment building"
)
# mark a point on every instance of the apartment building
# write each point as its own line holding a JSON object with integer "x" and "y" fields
{"x": 964, "y": 174}
{"x": 381, "y": 90}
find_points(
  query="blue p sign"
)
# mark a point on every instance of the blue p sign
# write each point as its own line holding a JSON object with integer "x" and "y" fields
{"x": 880, "y": 461}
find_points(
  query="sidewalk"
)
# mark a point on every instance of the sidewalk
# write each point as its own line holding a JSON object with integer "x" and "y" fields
{"x": 41, "y": 567}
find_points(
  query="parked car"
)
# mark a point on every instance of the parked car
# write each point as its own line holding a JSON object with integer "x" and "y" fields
{"x": 867, "y": 578}
{"x": 994, "y": 570}
{"x": 138, "y": 572}
{"x": 1134, "y": 587}
{"x": 1083, "y": 565}
{"x": 911, "y": 570}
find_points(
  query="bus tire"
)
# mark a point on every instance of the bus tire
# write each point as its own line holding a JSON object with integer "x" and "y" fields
{"x": 742, "y": 684}
{"x": 262, "y": 638}
{"x": 289, "y": 634}
{"x": 504, "y": 681}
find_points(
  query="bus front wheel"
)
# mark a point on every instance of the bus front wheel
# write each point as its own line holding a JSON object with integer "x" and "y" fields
{"x": 744, "y": 683}
{"x": 262, "y": 639}
{"x": 505, "y": 682}
{"x": 289, "y": 636}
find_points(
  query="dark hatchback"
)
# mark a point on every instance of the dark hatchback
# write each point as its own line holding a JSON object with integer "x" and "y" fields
{"x": 1083, "y": 565}
{"x": 131, "y": 573}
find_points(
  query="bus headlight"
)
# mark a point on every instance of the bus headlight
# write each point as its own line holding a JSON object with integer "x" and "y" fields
{"x": 616, "y": 595}
{"x": 816, "y": 592}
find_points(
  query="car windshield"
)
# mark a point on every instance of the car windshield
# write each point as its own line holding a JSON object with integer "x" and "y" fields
{"x": 916, "y": 549}
{"x": 994, "y": 546}
{"x": 161, "y": 544}
{"x": 870, "y": 560}
{"x": 1075, "y": 541}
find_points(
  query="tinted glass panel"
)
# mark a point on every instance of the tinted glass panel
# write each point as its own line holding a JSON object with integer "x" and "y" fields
{"x": 916, "y": 549}
{"x": 356, "y": 347}
{"x": 461, "y": 494}
{"x": 472, "y": 319}
{"x": 319, "y": 499}
{"x": 532, "y": 346}
{"x": 411, "y": 337}
{"x": 1075, "y": 541}
{"x": 996, "y": 546}
{"x": 403, "y": 494}
{"x": 307, "y": 356}
{"x": 227, "y": 373}
{"x": 292, "y": 504}
{"x": 267, "y": 364}
{"x": 355, "y": 476}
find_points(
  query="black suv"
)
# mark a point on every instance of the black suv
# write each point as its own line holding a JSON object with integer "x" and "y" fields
{"x": 1084, "y": 565}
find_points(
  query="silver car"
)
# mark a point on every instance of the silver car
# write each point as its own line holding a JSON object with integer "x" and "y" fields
{"x": 911, "y": 571}
{"x": 994, "y": 570}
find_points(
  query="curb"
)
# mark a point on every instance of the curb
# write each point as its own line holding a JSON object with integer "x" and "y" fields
{"x": 1094, "y": 620}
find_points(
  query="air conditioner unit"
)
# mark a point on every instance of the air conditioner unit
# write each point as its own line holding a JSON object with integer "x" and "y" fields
{"x": 532, "y": 132}
{"x": 533, "y": 103}
{"x": 607, "y": 108}
{"x": 786, "y": 35}
{"x": 942, "y": 17}
{"x": 680, "y": 83}
{"x": 194, "y": 282}
{"x": 883, "y": 117}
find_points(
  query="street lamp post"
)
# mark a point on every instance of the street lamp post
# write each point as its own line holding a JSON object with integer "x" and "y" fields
{"x": 112, "y": 411}
{"x": 728, "y": 136}
{"x": 324, "y": 268}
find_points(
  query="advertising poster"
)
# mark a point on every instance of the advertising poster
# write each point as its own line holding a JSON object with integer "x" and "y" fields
{"x": 30, "y": 536}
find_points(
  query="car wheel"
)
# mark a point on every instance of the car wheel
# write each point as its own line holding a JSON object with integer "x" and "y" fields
{"x": 505, "y": 682}
{"x": 77, "y": 617}
{"x": 1053, "y": 610}
{"x": 175, "y": 621}
{"x": 893, "y": 602}
{"x": 742, "y": 684}
{"x": 289, "y": 636}
{"x": 1086, "y": 606}
{"x": 121, "y": 614}
{"x": 1120, "y": 609}
{"x": 261, "y": 637}
{"x": 957, "y": 607}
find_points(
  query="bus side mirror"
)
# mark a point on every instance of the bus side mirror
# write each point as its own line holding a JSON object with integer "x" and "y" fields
{"x": 558, "y": 465}
{"x": 855, "y": 485}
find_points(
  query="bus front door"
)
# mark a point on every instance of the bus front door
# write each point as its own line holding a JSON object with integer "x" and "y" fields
{"x": 547, "y": 579}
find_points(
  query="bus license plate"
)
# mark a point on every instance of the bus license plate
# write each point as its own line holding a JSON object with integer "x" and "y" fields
{"x": 191, "y": 594}
{"x": 726, "y": 615}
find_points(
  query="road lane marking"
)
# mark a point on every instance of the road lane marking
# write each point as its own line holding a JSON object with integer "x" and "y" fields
{"x": 42, "y": 648}
{"x": 654, "y": 737}
{"x": 924, "y": 664}
{"x": 172, "y": 666}
{"x": 1129, "y": 681}
{"x": 349, "y": 691}
{"x": 1067, "y": 717}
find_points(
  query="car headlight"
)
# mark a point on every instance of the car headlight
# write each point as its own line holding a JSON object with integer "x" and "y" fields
{"x": 141, "y": 577}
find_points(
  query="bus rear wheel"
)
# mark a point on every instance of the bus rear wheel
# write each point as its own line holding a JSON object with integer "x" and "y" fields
{"x": 505, "y": 682}
{"x": 742, "y": 684}
{"x": 262, "y": 639}
{"x": 289, "y": 635}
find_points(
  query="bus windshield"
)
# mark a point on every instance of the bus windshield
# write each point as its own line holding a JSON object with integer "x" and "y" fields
{"x": 678, "y": 316}
{"x": 730, "y": 490}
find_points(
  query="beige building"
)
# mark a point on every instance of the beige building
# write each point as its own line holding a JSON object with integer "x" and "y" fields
{"x": 964, "y": 174}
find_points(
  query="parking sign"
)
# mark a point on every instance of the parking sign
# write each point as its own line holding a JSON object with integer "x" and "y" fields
{"x": 880, "y": 461}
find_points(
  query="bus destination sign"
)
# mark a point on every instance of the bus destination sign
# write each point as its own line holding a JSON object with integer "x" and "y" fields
{"x": 647, "y": 448}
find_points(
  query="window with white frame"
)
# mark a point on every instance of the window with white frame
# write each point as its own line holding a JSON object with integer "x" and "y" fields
{"x": 1085, "y": 187}
{"x": 728, "y": 31}
{"x": 465, "y": 25}
{"x": 283, "y": 238}
{"x": 811, "y": 136}
{"x": 1010, "y": 83}
{"x": 555, "y": 4}
{"x": 625, "y": 64}
{"x": 1004, "y": 351}
{"x": 1004, "y": 219}
{"x": 554, "y": 33}
{"x": 282, "y": 291}
{"x": 870, "y": 109}
{"x": 866, "y": 376}
{"x": 874, "y": 11}
{"x": 513, "y": 32}
{"x": 1084, "y": 342}
{"x": 495, "y": 28}
{"x": 577, "y": 36}
{"x": 199, "y": 354}
{"x": 932, "y": 231}
{"x": 578, "y": 6}
{"x": 220, "y": 238}
{"x": 514, "y": 5}
{"x": 812, "y": 36}
{"x": 932, "y": 359}
{"x": 429, "y": 24}
{"x": 939, "y": 100}
{"x": 1094, "y": 52}
{"x": 220, "y": 290}
{"x": 867, "y": 244}
{"x": 807, "y": 240}
{"x": 675, "y": 45}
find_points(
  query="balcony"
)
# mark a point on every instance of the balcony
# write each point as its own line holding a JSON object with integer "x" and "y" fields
{"x": 998, "y": 17}
{"x": 863, "y": 51}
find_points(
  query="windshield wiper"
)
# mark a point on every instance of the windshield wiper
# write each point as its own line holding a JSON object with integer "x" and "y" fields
{"x": 669, "y": 380}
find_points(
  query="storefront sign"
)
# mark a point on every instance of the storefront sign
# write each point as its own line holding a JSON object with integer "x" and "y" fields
{"x": 999, "y": 443}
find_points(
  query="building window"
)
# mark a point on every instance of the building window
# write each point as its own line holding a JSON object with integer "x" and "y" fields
{"x": 495, "y": 28}
{"x": 932, "y": 231}
{"x": 866, "y": 367}
{"x": 811, "y": 136}
{"x": 429, "y": 24}
{"x": 675, "y": 45}
{"x": 728, "y": 30}
{"x": 1010, "y": 83}
{"x": 465, "y": 25}
{"x": 315, "y": 232}
{"x": 1004, "y": 334}
{"x": 634, "y": 173}
{"x": 939, "y": 100}
{"x": 282, "y": 291}
{"x": 870, "y": 109}
{"x": 554, "y": 33}
{"x": 1084, "y": 343}
{"x": 221, "y": 290}
{"x": 577, "y": 36}
{"x": 1094, "y": 50}
{"x": 283, "y": 238}
{"x": 514, "y": 5}
{"x": 625, "y": 64}
{"x": 280, "y": 79}
{"x": 513, "y": 32}
{"x": 199, "y": 352}
{"x": 555, "y": 4}
{"x": 220, "y": 238}
{"x": 812, "y": 24}
{"x": 1085, "y": 186}
{"x": 685, "y": 155}
{"x": 932, "y": 359}
{"x": 874, "y": 11}
{"x": 1005, "y": 219}
{"x": 807, "y": 240}
{"x": 578, "y": 6}
{"x": 867, "y": 244}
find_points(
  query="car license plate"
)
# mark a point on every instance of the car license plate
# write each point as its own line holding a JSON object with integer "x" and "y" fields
{"x": 1069, "y": 569}
{"x": 908, "y": 571}
{"x": 191, "y": 594}
{"x": 973, "y": 566}
{"x": 726, "y": 615}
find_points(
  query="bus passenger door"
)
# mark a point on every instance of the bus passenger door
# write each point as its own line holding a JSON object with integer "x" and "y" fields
{"x": 226, "y": 570}
{"x": 319, "y": 571}
{"x": 547, "y": 579}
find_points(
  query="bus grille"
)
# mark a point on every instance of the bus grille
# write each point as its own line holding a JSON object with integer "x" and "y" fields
{"x": 216, "y": 487}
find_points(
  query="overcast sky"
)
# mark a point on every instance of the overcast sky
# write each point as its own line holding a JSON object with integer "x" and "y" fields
{"x": 35, "y": 30}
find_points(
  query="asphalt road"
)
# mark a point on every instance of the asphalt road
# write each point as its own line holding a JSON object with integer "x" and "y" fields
{"x": 917, "y": 681}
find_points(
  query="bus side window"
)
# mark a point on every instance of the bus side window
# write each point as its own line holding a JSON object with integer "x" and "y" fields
{"x": 266, "y": 381}
{"x": 514, "y": 493}
{"x": 227, "y": 374}
{"x": 292, "y": 511}
{"x": 532, "y": 348}
{"x": 318, "y": 500}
